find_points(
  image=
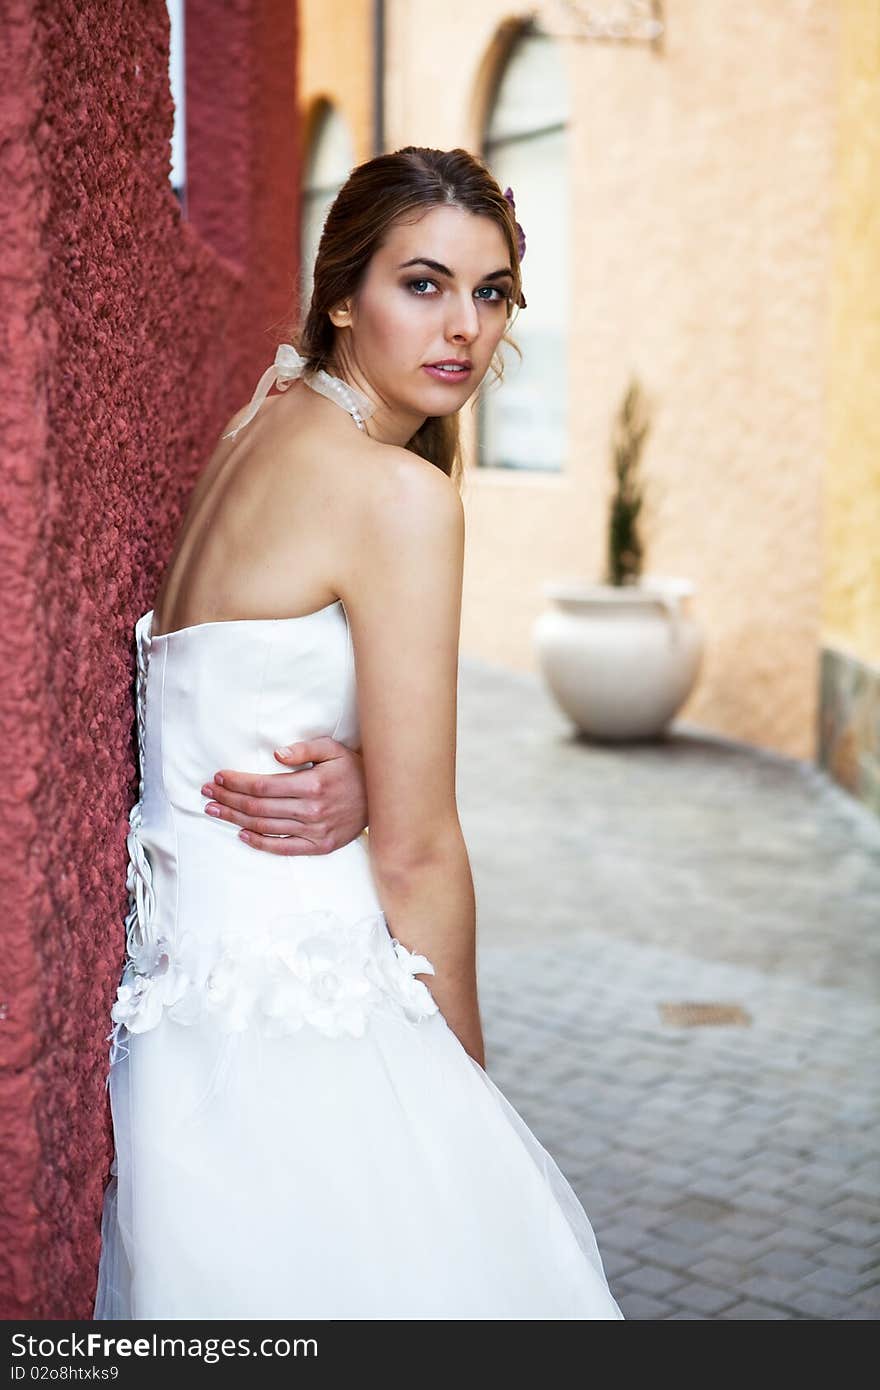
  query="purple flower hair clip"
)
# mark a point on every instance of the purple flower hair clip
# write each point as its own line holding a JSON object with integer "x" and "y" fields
{"x": 520, "y": 239}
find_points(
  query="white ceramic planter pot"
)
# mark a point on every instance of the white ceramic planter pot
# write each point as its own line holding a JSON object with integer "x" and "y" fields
{"x": 620, "y": 660}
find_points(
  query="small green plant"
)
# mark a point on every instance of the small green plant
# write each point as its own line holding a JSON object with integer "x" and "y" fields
{"x": 624, "y": 543}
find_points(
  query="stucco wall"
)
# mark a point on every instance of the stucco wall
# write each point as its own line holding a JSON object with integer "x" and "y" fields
{"x": 851, "y": 609}
{"x": 130, "y": 337}
{"x": 701, "y": 192}
{"x": 336, "y": 65}
{"x": 850, "y": 712}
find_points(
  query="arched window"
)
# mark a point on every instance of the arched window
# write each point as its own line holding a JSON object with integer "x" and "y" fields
{"x": 329, "y": 162}
{"x": 523, "y": 421}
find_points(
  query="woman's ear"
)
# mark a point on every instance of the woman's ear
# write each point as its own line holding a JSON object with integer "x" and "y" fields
{"x": 340, "y": 314}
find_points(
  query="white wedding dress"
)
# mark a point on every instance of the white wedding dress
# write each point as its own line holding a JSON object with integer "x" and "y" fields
{"x": 298, "y": 1132}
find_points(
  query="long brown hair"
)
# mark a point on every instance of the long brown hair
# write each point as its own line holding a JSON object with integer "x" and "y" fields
{"x": 375, "y": 194}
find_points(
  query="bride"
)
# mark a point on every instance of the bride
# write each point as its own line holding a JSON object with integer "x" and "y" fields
{"x": 303, "y": 1124}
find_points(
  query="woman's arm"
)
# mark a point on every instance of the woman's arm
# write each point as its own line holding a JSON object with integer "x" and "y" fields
{"x": 430, "y": 907}
{"x": 402, "y": 591}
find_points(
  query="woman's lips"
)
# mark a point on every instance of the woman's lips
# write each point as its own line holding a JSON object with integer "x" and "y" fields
{"x": 455, "y": 376}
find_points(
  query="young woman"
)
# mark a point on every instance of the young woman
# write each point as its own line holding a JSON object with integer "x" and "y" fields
{"x": 303, "y": 1124}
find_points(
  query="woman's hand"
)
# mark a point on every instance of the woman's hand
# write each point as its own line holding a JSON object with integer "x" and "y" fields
{"x": 312, "y": 811}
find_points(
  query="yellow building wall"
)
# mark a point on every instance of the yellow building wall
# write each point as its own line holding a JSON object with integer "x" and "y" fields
{"x": 702, "y": 179}
{"x": 336, "y": 64}
{"x": 851, "y": 608}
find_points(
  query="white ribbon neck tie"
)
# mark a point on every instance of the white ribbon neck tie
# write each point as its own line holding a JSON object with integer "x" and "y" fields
{"x": 289, "y": 366}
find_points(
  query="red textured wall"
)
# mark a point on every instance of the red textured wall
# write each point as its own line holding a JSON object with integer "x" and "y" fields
{"x": 130, "y": 335}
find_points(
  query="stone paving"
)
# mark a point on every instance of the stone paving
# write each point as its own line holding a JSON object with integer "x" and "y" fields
{"x": 729, "y": 1171}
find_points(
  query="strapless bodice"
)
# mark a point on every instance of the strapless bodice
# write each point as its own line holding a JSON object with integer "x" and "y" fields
{"x": 227, "y": 694}
{"x": 215, "y": 924}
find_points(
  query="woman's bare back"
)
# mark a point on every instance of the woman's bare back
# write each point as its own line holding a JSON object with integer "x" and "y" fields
{"x": 264, "y": 520}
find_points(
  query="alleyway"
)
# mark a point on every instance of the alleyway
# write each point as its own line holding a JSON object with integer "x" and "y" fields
{"x": 729, "y": 1170}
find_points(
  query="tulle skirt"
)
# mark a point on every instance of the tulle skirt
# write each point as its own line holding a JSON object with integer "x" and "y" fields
{"x": 333, "y": 1177}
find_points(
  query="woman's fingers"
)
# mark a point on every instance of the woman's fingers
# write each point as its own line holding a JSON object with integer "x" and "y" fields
{"x": 263, "y": 784}
{"x": 283, "y": 845}
{"x": 288, "y": 807}
{"x": 265, "y": 825}
{"x": 286, "y": 835}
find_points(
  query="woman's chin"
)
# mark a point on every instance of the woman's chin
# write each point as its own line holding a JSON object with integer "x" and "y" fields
{"x": 444, "y": 399}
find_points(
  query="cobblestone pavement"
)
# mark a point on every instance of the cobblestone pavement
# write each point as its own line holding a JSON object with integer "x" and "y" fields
{"x": 729, "y": 1171}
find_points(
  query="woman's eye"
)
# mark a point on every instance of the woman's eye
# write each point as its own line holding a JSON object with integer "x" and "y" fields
{"x": 484, "y": 293}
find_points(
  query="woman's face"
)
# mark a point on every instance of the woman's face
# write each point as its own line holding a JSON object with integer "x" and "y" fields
{"x": 436, "y": 291}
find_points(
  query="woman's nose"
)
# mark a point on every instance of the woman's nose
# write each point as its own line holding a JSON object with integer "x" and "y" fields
{"x": 465, "y": 321}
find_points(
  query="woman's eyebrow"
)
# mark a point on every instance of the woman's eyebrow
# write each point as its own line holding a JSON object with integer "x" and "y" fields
{"x": 444, "y": 270}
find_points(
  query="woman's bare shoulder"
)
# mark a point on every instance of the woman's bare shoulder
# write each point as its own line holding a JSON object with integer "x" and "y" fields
{"x": 342, "y": 503}
{"x": 392, "y": 473}
{"x": 403, "y": 499}
{"x": 365, "y": 476}
{"x": 407, "y": 520}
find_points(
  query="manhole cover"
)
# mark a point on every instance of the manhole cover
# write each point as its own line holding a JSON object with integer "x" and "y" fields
{"x": 692, "y": 1015}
